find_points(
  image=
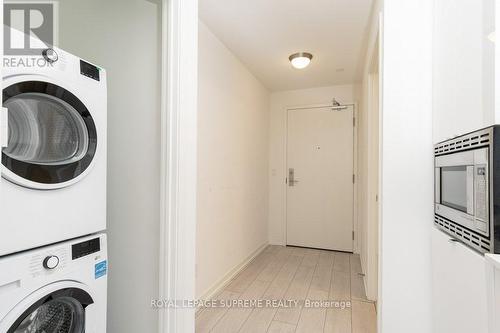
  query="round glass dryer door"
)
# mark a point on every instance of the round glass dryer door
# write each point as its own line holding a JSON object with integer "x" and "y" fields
{"x": 52, "y": 137}
{"x": 60, "y": 312}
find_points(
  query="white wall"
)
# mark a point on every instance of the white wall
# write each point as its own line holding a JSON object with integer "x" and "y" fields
{"x": 233, "y": 136}
{"x": 124, "y": 37}
{"x": 464, "y": 101}
{"x": 457, "y": 267}
{"x": 277, "y": 152}
{"x": 464, "y": 66}
{"x": 368, "y": 223}
{"x": 407, "y": 173}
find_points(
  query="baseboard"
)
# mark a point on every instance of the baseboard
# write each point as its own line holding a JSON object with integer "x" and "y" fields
{"x": 364, "y": 271}
{"x": 365, "y": 283}
{"x": 224, "y": 281}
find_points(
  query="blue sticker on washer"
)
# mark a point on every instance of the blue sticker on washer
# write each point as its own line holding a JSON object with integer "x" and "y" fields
{"x": 101, "y": 269}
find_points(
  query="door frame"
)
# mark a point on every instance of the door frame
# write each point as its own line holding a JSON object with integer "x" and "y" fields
{"x": 355, "y": 166}
{"x": 374, "y": 104}
{"x": 179, "y": 90}
{"x": 375, "y": 56}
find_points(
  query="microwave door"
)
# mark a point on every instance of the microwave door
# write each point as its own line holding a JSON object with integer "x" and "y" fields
{"x": 456, "y": 197}
{"x": 461, "y": 189}
{"x": 454, "y": 177}
{"x": 457, "y": 188}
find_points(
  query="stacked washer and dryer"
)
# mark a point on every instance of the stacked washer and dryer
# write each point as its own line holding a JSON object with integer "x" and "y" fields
{"x": 53, "y": 257}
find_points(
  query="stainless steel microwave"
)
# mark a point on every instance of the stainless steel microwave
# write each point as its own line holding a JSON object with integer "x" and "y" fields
{"x": 467, "y": 188}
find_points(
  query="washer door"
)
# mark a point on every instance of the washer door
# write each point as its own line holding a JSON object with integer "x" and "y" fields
{"x": 52, "y": 136}
{"x": 62, "y": 311}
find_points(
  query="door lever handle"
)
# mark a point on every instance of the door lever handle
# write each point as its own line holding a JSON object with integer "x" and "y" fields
{"x": 291, "y": 177}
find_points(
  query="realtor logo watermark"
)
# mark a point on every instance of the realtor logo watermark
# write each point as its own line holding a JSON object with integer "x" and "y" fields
{"x": 35, "y": 19}
{"x": 251, "y": 303}
{"x": 30, "y": 27}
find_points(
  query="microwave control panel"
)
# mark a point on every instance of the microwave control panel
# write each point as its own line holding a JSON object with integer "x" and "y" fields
{"x": 481, "y": 196}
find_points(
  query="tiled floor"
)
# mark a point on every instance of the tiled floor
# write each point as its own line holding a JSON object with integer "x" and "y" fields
{"x": 288, "y": 273}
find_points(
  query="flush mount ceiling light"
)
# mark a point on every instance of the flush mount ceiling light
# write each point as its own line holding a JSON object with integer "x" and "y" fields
{"x": 491, "y": 36}
{"x": 300, "y": 60}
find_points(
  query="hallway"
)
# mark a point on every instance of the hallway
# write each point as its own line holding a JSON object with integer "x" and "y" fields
{"x": 290, "y": 273}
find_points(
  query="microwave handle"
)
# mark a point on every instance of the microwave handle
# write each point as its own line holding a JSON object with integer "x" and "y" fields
{"x": 437, "y": 185}
{"x": 470, "y": 189}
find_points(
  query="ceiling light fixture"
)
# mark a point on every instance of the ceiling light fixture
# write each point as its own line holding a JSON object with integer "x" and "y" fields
{"x": 300, "y": 60}
{"x": 491, "y": 36}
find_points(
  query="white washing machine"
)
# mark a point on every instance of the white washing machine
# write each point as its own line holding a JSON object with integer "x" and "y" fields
{"x": 59, "y": 288}
{"x": 54, "y": 167}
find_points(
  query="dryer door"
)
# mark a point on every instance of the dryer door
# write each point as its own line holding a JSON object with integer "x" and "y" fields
{"x": 62, "y": 311}
{"x": 52, "y": 138}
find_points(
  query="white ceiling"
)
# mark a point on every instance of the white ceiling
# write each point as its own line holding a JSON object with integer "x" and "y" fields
{"x": 263, "y": 33}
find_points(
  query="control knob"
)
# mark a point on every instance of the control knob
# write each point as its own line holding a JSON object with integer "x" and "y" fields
{"x": 50, "y": 262}
{"x": 50, "y": 55}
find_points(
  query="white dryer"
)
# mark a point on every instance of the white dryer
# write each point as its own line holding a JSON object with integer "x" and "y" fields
{"x": 60, "y": 288}
{"x": 54, "y": 167}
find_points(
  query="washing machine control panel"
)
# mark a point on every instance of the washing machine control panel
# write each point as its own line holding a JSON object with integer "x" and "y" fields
{"x": 83, "y": 249}
{"x": 50, "y": 262}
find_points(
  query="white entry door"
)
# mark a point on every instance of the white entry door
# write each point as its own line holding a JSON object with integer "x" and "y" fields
{"x": 320, "y": 178}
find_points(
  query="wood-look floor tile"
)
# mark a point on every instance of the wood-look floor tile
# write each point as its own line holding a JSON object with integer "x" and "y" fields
{"x": 269, "y": 272}
{"x": 338, "y": 320}
{"x": 364, "y": 318}
{"x": 341, "y": 262}
{"x": 294, "y": 273}
{"x": 341, "y": 286}
{"x": 207, "y": 318}
{"x": 312, "y": 319}
{"x": 255, "y": 290}
{"x": 279, "y": 327}
{"x": 241, "y": 282}
{"x": 271, "y": 249}
{"x": 280, "y": 284}
{"x": 288, "y": 315}
{"x": 311, "y": 258}
{"x": 234, "y": 318}
{"x": 297, "y": 291}
{"x": 299, "y": 251}
{"x": 323, "y": 274}
{"x": 259, "y": 320}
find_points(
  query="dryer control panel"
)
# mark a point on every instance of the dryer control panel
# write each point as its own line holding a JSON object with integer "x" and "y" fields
{"x": 89, "y": 70}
